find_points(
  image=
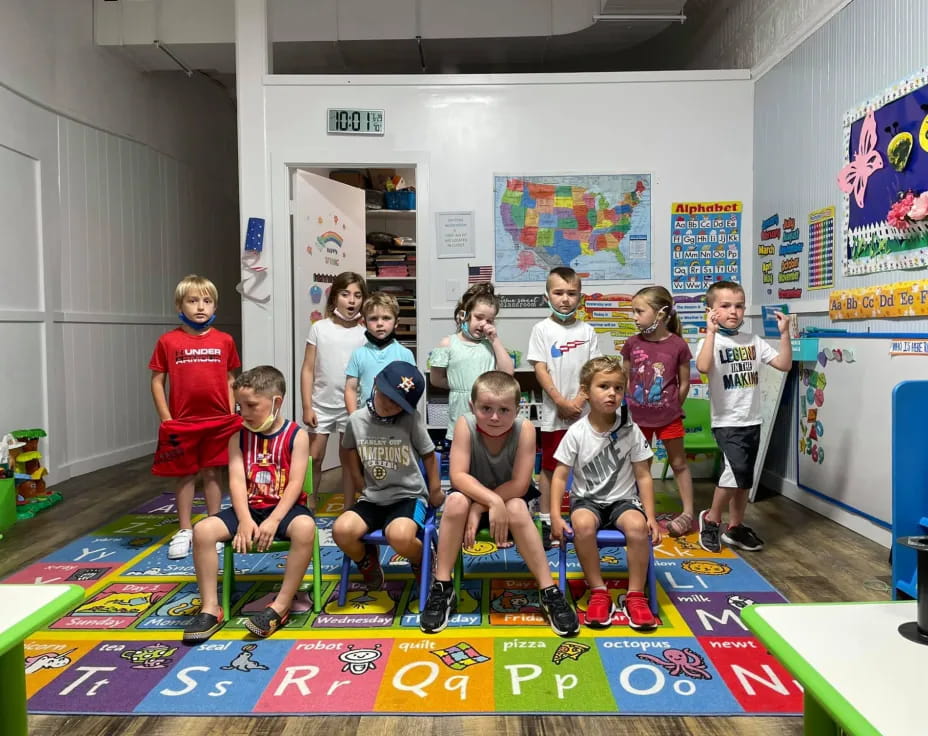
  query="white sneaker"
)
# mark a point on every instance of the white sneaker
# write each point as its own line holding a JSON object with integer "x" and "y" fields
{"x": 220, "y": 547}
{"x": 180, "y": 544}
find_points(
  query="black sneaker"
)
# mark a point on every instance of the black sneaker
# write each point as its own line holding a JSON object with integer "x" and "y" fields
{"x": 561, "y": 616}
{"x": 370, "y": 568}
{"x": 743, "y": 537}
{"x": 202, "y": 627}
{"x": 708, "y": 533}
{"x": 442, "y": 601}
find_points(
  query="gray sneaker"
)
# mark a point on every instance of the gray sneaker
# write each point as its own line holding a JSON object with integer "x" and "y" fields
{"x": 708, "y": 533}
{"x": 743, "y": 537}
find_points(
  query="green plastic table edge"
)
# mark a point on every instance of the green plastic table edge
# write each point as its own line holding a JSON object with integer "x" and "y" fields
{"x": 17, "y": 633}
{"x": 844, "y": 714}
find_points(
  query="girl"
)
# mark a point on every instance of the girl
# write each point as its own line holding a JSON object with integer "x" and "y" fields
{"x": 473, "y": 350}
{"x": 657, "y": 363}
{"x": 329, "y": 345}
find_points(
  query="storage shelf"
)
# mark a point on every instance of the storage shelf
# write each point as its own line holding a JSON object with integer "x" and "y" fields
{"x": 391, "y": 213}
{"x": 390, "y": 278}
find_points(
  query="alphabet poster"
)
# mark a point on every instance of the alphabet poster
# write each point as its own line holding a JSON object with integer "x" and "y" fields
{"x": 705, "y": 240}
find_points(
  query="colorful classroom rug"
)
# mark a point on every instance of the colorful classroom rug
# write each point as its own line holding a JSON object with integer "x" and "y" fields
{"x": 120, "y": 651}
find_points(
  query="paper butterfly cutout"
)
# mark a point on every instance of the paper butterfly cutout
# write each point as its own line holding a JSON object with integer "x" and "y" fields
{"x": 867, "y": 160}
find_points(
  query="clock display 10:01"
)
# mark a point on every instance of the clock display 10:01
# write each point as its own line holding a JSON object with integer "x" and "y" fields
{"x": 355, "y": 122}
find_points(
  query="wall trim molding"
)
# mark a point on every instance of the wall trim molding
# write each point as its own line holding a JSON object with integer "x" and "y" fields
{"x": 817, "y": 504}
{"x": 104, "y": 460}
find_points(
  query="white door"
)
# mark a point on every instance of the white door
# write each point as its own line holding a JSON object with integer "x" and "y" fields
{"x": 328, "y": 238}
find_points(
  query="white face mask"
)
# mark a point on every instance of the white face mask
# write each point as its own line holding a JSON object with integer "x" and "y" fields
{"x": 267, "y": 423}
{"x": 652, "y": 328}
{"x": 343, "y": 318}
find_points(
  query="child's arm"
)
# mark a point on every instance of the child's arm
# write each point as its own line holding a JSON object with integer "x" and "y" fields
{"x": 684, "y": 380}
{"x": 159, "y": 395}
{"x": 238, "y": 493}
{"x": 230, "y": 379}
{"x": 558, "y": 486}
{"x": 299, "y": 458}
{"x": 503, "y": 359}
{"x": 704, "y": 359}
{"x": 433, "y": 480}
{"x": 463, "y": 481}
{"x": 566, "y": 408}
{"x": 646, "y": 494}
{"x": 356, "y": 473}
{"x": 784, "y": 359}
{"x": 307, "y": 379}
{"x": 351, "y": 394}
{"x": 524, "y": 464}
{"x": 438, "y": 374}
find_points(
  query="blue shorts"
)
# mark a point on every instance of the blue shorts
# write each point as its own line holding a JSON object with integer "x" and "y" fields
{"x": 228, "y": 517}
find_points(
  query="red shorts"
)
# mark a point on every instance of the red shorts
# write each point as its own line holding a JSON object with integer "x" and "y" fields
{"x": 185, "y": 446}
{"x": 672, "y": 431}
{"x": 549, "y": 442}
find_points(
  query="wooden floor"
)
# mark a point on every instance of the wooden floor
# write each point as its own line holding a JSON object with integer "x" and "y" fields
{"x": 808, "y": 558}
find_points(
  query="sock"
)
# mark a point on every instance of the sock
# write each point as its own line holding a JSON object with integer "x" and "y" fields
{"x": 551, "y": 587}
{"x": 445, "y": 584}
{"x": 600, "y": 587}
{"x": 546, "y": 518}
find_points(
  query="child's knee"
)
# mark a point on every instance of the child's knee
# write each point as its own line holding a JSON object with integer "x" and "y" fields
{"x": 517, "y": 509}
{"x": 456, "y": 505}
{"x": 302, "y": 529}
{"x": 348, "y": 529}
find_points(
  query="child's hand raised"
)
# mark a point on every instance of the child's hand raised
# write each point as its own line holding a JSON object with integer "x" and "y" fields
{"x": 782, "y": 322}
{"x": 712, "y": 321}
{"x": 489, "y": 332}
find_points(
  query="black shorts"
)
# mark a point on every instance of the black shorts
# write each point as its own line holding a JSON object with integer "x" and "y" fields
{"x": 228, "y": 517}
{"x": 530, "y": 495}
{"x": 379, "y": 517}
{"x": 608, "y": 513}
{"x": 739, "y": 446}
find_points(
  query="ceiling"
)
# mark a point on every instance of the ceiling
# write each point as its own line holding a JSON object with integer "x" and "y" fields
{"x": 603, "y": 45}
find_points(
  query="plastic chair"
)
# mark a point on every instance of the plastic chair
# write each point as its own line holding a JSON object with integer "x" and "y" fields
{"x": 228, "y": 560}
{"x": 457, "y": 575}
{"x": 698, "y": 439}
{"x": 427, "y": 534}
{"x": 607, "y": 538}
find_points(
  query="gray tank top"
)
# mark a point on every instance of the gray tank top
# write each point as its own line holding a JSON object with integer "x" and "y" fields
{"x": 492, "y": 470}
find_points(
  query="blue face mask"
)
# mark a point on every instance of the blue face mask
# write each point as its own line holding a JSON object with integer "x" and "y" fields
{"x": 198, "y": 326}
{"x": 560, "y": 315}
{"x": 466, "y": 330}
{"x": 730, "y": 332}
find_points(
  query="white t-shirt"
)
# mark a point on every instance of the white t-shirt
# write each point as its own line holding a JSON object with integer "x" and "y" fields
{"x": 602, "y": 461}
{"x": 334, "y": 346}
{"x": 734, "y": 391}
{"x": 563, "y": 349}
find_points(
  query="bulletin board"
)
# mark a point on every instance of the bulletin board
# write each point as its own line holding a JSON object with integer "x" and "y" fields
{"x": 845, "y": 452}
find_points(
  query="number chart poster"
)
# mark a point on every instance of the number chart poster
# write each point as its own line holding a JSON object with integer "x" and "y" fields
{"x": 886, "y": 153}
{"x": 705, "y": 239}
{"x": 822, "y": 248}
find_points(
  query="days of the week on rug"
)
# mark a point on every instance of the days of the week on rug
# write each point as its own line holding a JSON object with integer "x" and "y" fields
{"x": 119, "y": 652}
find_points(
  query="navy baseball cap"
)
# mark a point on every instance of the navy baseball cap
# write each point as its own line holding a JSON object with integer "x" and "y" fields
{"x": 403, "y": 383}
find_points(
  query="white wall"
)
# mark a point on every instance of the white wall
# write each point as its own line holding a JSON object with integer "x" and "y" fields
{"x": 691, "y": 132}
{"x": 799, "y": 149}
{"x": 118, "y": 184}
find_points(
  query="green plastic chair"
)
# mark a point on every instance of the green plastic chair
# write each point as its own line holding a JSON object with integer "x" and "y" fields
{"x": 698, "y": 439}
{"x": 228, "y": 560}
{"x": 457, "y": 575}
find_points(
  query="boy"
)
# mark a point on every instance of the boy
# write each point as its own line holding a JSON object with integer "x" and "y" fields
{"x": 380, "y": 312}
{"x": 491, "y": 463}
{"x": 386, "y": 439}
{"x": 558, "y": 347}
{"x": 196, "y": 361}
{"x": 612, "y": 487}
{"x": 731, "y": 359}
{"x": 267, "y": 466}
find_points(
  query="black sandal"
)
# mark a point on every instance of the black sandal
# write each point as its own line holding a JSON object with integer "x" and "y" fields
{"x": 266, "y": 622}
{"x": 202, "y": 627}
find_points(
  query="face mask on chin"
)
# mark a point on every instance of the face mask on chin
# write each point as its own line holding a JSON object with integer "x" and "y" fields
{"x": 652, "y": 328}
{"x": 376, "y": 416}
{"x": 268, "y": 422}
{"x": 343, "y": 318}
{"x": 198, "y": 326}
{"x": 379, "y": 342}
{"x": 560, "y": 315}
{"x": 730, "y": 331}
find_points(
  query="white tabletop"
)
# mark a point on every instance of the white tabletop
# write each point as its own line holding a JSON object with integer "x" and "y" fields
{"x": 858, "y": 650}
{"x": 20, "y": 603}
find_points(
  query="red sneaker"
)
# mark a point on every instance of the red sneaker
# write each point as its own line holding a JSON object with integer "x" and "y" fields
{"x": 599, "y": 610}
{"x": 638, "y": 612}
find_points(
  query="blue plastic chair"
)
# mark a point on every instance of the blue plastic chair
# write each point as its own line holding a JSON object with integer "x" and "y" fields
{"x": 427, "y": 534}
{"x": 607, "y": 538}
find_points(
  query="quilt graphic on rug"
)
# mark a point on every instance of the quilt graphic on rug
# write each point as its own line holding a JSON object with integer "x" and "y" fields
{"x": 120, "y": 651}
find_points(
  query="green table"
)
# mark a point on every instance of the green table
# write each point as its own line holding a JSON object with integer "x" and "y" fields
{"x": 857, "y": 671}
{"x": 25, "y": 609}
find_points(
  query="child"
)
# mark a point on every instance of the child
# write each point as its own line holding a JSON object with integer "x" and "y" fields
{"x": 329, "y": 346}
{"x": 558, "y": 348}
{"x": 267, "y": 466}
{"x": 657, "y": 365}
{"x": 385, "y": 440}
{"x": 609, "y": 456}
{"x": 731, "y": 359}
{"x": 492, "y": 458}
{"x": 474, "y": 349}
{"x": 196, "y": 362}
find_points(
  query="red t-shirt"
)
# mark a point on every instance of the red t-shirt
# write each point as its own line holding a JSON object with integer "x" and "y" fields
{"x": 267, "y": 464}
{"x": 198, "y": 369}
